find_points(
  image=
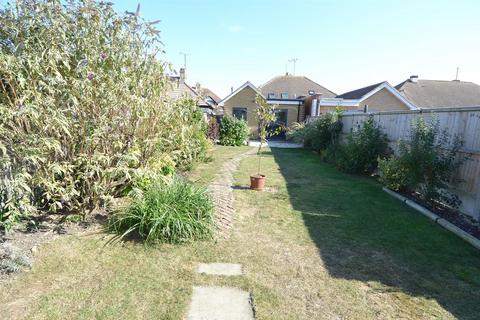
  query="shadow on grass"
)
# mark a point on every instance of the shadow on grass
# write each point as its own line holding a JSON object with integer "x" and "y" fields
{"x": 363, "y": 234}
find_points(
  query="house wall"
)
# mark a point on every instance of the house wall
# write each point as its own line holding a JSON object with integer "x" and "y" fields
{"x": 246, "y": 99}
{"x": 292, "y": 113}
{"x": 243, "y": 99}
{"x": 383, "y": 100}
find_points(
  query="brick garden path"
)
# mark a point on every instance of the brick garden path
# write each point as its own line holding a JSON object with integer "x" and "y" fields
{"x": 222, "y": 191}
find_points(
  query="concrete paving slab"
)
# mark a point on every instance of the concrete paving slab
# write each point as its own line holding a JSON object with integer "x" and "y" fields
{"x": 276, "y": 144}
{"x": 220, "y": 303}
{"x": 220, "y": 269}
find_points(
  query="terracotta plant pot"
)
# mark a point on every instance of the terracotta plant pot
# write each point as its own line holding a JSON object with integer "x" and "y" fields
{"x": 257, "y": 182}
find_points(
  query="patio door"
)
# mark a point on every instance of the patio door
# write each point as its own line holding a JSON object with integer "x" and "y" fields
{"x": 280, "y": 124}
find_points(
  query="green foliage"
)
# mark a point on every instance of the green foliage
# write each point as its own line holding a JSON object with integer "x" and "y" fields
{"x": 82, "y": 107}
{"x": 298, "y": 131}
{"x": 168, "y": 212}
{"x": 265, "y": 115}
{"x": 320, "y": 134}
{"x": 233, "y": 132}
{"x": 394, "y": 174}
{"x": 425, "y": 163}
{"x": 362, "y": 148}
{"x": 183, "y": 134}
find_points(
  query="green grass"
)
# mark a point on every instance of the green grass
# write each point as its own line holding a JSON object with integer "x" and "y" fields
{"x": 318, "y": 244}
{"x": 204, "y": 173}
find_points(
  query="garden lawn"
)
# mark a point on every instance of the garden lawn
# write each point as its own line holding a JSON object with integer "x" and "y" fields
{"x": 317, "y": 244}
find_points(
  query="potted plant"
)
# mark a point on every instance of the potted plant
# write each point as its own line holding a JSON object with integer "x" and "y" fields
{"x": 265, "y": 114}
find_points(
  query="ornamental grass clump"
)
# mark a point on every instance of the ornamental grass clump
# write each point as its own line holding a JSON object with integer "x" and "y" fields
{"x": 173, "y": 212}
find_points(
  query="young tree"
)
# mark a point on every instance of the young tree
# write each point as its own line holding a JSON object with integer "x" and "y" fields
{"x": 265, "y": 114}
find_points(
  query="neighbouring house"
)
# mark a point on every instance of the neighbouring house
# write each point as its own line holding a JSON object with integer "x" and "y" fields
{"x": 209, "y": 97}
{"x": 428, "y": 94}
{"x": 411, "y": 94}
{"x": 288, "y": 92}
{"x": 377, "y": 97}
{"x": 205, "y": 99}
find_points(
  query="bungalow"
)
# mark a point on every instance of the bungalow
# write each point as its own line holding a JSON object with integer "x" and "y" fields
{"x": 377, "y": 97}
{"x": 287, "y": 91}
{"x": 411, "y": 94}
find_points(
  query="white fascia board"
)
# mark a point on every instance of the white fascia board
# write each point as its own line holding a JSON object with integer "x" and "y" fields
{"x": 336, "y": 102}
{"x": 243, "y": 86}
{"x": 289, "y": 102}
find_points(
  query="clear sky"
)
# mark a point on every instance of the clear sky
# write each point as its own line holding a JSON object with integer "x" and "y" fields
{"x": 343, "y": 45}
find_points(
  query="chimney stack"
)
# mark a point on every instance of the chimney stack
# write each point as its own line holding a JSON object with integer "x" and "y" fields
{"x": 182, "y": 75}
{"x": 414, "y": 79}
{"x": 231, "y": 89}
{"x": 197, "y": 86}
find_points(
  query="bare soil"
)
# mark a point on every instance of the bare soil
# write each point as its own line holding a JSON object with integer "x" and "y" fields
{"x": 27, "y": 237}
{"x": 464, "y": 222}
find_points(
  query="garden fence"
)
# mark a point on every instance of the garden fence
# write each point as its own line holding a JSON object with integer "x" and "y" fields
{"x": 464, "y": 122}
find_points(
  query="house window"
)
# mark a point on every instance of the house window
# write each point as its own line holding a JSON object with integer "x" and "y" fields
{"x": 284, "y": 95}
{"x": 281, "y": 115}
{"x": 271, "y": 95}
{"x": 240, "y": 113}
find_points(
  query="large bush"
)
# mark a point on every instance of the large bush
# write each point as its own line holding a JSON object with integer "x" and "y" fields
{"x": 82, "y": 106}
{"x": 362, "y": 148}
{"x": 320, "y": 134}
{"x": 233, "y": 131}
{"x": 168, "y": 212}
{"x": 425, "y": 163}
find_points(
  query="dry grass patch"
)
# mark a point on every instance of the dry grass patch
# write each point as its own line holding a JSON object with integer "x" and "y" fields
{"x": 323, "y": 246}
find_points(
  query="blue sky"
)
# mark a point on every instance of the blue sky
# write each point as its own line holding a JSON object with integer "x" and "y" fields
{"x": 342, "y": 45}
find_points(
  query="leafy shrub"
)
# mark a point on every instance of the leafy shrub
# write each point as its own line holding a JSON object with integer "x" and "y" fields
{"x": 298, "y": 131}
{"x": 362, "y": 148}
{"x": 168, "y": 212}
{"x": 320, "y": 134}
{"x": 82, "y": 107}
{"x": 394, "y": 173}
{"x": 424, "y": 164}
{"x": 213, "y": 129}
{"x": 184, "y": 134}
{"x": 233, "y": 131}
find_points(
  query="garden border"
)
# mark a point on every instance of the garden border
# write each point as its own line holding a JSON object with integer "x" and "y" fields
{"x": 444, "y": 223}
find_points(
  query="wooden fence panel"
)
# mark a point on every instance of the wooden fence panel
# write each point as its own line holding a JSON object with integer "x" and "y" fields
{"x": 463, "y": 122}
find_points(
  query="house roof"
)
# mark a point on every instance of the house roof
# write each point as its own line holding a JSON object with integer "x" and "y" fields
{"x": 358, "y": 93}
{"x": 180, "y": 89}
{"x": 243, "y": 86}
{"x": 440, "y": 94}
{"x": 205, "y": 92}
{"x": 295, "y": 86}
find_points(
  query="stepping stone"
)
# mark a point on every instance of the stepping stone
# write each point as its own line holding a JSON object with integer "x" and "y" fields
{"x": 220, "y": 303}
{"x": 220, "y": 269}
